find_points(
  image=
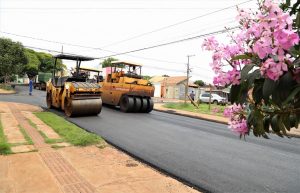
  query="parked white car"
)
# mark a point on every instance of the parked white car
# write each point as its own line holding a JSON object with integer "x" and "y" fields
{"x": 215, "y": 99}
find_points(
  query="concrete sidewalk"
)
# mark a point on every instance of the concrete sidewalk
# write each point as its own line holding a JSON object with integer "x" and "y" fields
{"x": 72, "y": 169}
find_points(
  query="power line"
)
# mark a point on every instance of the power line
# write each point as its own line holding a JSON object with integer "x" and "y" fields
{"x": 50, "y": 41}
{"x": 88, "y": 47}
{"x": 175, "y": 24}
{"x": 146, "y": 66}
{"x": 204, "y": 29}
{"x": 141, "y": 49}
{"x": 49, "y": 50}
{"x": 172, "y": 42}
{"x": 107, "y": 8}
{"x": 95, "y": 48}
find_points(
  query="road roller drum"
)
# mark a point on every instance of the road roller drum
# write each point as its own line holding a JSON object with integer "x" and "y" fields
{"x": 82, "y": 107}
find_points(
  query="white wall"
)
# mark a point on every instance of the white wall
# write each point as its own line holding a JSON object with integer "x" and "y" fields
{"x": 157, "y": 90}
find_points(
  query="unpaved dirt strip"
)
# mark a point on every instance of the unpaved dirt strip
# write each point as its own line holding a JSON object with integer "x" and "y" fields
{"x": 67, "y": 177}
{"x": 41, "y": 125}
{"x": 11, "y": 128}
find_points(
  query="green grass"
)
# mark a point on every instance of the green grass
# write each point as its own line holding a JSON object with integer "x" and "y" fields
{"x": 32, "y": 123}
{"x": 48, "y": 140}
{"x": 56, "y": 146}
{"x": 203, "y": 108}
{"x": 68, "y": 131}
{"x": 26, "y": 136}
{"x": 5, "y": 87}
{"x": 4, "y": 146}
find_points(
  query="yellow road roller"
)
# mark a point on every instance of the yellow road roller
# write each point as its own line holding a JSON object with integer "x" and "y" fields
{"x": 125, "y": 87}
{"x": 74, "y": 94}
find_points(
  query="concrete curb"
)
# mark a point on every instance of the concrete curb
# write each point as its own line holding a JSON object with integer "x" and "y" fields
{"x": 191, "y": 116}
{"x": 9, "y": 93}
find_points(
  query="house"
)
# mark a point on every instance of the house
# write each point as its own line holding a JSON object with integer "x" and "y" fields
{"x": 157, "y": 83}
{"x": 172, "y": 87}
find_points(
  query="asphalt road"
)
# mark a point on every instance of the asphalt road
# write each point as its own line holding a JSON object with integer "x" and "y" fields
{"x": 205, "y": 154}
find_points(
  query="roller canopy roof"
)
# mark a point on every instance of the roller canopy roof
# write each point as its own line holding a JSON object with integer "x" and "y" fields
{"x": 90, "y": 69}
{"x": 125, "y": 63}
{"x": 73, "y": 57}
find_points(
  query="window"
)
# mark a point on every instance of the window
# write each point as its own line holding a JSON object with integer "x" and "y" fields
{"x": 205, "y": 95}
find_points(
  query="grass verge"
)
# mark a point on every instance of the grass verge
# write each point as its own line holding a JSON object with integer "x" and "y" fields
{"x": 26, "y": 136}
{"x": 48, "y": 140}
{"x": 203, "y": 108}
{"x": 32, "y": 123}
{"x": 70, "y": 132}
{"x": 4, "y": 146}
{"x": 5, "y": 87}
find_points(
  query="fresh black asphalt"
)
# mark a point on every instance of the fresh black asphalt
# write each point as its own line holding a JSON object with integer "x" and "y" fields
{"x": 205, "y": 154}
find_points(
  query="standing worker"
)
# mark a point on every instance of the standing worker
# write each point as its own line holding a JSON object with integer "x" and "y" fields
{"x": 30, "y": 86}
{"x": 192, "y": 95}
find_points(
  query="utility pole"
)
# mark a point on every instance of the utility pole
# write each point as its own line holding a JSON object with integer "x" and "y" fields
{"x": 209, "y": 97}
{"x": 188, "y": 70}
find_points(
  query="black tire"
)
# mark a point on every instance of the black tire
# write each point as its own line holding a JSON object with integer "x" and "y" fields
{"x": 150, "y": 105}
{"x": 215, "y": 102}
{"x": 126, "y": 104}
{"x": 49, "y": 100}
{"x": 144, "y": 106}
{"x": 137, "y": 104}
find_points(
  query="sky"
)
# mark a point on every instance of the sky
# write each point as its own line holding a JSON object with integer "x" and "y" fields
{"x": 117, "y": 26}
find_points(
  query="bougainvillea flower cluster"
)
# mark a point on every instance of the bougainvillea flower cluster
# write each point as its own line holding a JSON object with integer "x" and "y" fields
{"x": 265, "y": 34}
{"x": 237, "y": 119}
{"x": 263, "y": 41}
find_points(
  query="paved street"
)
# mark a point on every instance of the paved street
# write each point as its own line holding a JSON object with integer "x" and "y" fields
{"x": 205, "y": 154}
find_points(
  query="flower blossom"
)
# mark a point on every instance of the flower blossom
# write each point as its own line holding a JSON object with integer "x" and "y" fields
{"x": 265, "y": 34}
{"x": 272, "y": 69}
{"x": 210, "y": 43}
{"x": 237, "y": 120}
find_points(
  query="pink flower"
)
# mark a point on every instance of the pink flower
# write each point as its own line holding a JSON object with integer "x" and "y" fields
{"x": 286, "y": 38}
{"x": 239, "y": 126}
{"x": 272, "y": 69}
{"x": 215, "y": 110}
{"x": 227, "y": 112}
{"x": 237, "y": 120}
{"x": 266, "y": 33}
{"x": 210, "y": 43}
{"x": 262, "y": 48}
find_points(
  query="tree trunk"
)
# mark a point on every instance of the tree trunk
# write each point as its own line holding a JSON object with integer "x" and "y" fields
{"x": 5, "y": 78}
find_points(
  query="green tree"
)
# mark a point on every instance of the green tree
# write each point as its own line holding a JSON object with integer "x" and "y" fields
{"x": 199, "y": 82}
{"x": 146, "y": 77}
{"x": 107, "y": 62}
{"x": 12, "y": 59}
{"x": 47, "y": 62}
{"x": 32, "y": 67}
